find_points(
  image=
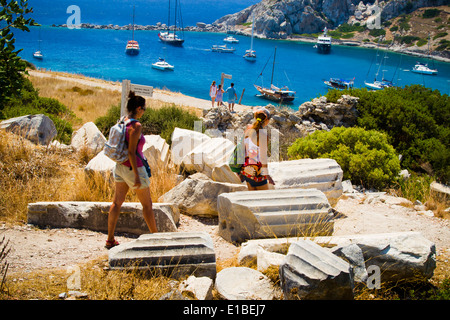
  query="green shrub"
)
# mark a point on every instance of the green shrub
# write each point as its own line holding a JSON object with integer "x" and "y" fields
{"x": 377, "y": 32}
{"x": 365, "y": 156}
{"x": 154, "y": 121}
{"x": 431, "y": 13}
{"x": 415, "y": 119}
{"x": 440, "y": 35}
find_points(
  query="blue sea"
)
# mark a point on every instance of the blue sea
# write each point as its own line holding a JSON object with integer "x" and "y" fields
{"x": 101, "y": 53}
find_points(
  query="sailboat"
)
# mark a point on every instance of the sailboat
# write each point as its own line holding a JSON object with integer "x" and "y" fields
{"x": 274, "y": 93}
{"x": 132, "y": 47}
{"x": 38, "y": 54}
{"x": 250, "y": 55}
{"x": 377, "y": 84}
{"x": 171, "y": 37}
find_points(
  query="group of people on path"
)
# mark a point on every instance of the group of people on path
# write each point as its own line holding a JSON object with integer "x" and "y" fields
{"x": 216, "y": 93}
{"x": 132, "y": 175}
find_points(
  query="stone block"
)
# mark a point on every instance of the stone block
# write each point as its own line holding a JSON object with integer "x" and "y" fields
{"x": 94, "y": 216}
{"x": 183, "y": 141}
{"x": 241, "y": 283}
{"x": 311, "y": 272}
{"x": 209, "y": 154}
{"x": 156, "y": 151}
{"x": 174, "y": 254}
{"x": 322, "y": 174}
{"x": 88, "y": 136}
{"x": 273, "y": 213}
{"x": 198, "y": 197}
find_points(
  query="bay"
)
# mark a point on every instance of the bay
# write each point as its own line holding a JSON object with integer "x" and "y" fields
{"x": 101, "y": 54}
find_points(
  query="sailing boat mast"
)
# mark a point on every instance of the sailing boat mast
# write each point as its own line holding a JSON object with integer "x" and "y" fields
{"x": 132, "y": 47}
{"x": 172, "y": 38}
{"x": 273, "y": 66}
{"x": 132, "y": 34}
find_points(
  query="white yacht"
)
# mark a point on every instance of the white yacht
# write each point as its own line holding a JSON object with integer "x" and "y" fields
{"x": 323, "y": 44}
{"x": 231, "y": 39}
{"x": 423, "y": 69}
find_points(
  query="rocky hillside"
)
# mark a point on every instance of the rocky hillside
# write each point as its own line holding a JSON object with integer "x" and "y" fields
{"x": 409, "y": 23}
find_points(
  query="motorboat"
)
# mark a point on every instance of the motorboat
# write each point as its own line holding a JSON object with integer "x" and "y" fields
{"x": 38, "y": 55}
{"x": 222, "y": 48}
{"x": 323, "y": 44}
{"x": 423, "y": 69}
{"x": 162, "y": 64}
{"x": 340, "y": 84}
{"x": 231, "y": 39}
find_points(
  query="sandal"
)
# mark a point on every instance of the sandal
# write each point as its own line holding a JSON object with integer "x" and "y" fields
{"x": 111, "y": 244}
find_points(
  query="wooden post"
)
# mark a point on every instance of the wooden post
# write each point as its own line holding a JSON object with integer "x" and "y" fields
{"x": 125, "y": 90}
{"x": 242, "y": 94}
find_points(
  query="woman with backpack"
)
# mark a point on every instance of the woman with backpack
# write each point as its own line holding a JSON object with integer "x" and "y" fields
{"x": 132, "y": 173}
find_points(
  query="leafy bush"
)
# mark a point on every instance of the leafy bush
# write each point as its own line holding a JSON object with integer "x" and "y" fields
{"x": 431, "y": 13}
{"x": 154, "y": 121}
{"x": 365, "y": 156}
{"x": 415, "y": 119}
{"x": 377, "y": 32}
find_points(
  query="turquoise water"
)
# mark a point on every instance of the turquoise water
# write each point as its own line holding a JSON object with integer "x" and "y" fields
{"x": 101, "y": 54}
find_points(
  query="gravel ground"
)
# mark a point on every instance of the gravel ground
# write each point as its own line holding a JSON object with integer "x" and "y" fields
{"x": 34, "y": 249}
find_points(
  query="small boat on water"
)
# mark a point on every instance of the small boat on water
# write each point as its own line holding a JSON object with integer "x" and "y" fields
{"x": 273, "y": 93}
{"x": 340, "y": 84}
{"x": 222, "y": 48}
{"x": 38, "y": 55}
{"x": 423, "y": 68}
{"x": 231, "y": 39}
{"x": 171, "y": 38}
{"x": 250, "y": 55}
{"x": 276, "y": 94}
{"x": 162, "y": 64}
{"x": 323, "y": 44}
{"x": 132, "y": 47}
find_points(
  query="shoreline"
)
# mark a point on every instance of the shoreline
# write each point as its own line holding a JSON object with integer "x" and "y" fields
{"x": 166, "y": 96}
{"x": 214, "y": 29}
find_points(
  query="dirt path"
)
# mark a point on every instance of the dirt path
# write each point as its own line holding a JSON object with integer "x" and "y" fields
{"x": 34, "y": 249}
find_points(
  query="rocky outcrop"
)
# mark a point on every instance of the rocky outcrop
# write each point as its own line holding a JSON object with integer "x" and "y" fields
{"x": 280, "y": 19}
{"x": 38, "y": 128}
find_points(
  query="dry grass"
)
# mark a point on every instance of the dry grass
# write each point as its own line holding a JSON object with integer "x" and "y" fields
{"x": 30, "y": 173}
{"x": 96, "y": 281}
